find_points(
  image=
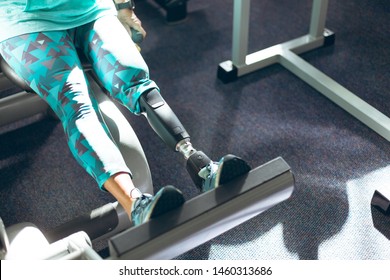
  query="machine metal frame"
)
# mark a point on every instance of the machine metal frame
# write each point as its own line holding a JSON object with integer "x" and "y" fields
{"x": 207, "y": 215}
{"x": 287, "y": 54}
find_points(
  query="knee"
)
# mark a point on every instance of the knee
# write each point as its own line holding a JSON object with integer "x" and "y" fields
{"x": 75, "y": 115}
{"x": 127, "y": 78}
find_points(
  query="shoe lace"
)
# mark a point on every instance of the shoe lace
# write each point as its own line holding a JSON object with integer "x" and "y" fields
{"x": 209, "y": 170}
{"x": 141, "y": 203}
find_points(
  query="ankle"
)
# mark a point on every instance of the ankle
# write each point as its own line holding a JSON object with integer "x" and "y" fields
{"x": 185, "y": 148}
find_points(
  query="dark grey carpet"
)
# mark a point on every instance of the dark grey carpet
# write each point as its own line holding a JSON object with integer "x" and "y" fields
{"x": 338, "y": 162}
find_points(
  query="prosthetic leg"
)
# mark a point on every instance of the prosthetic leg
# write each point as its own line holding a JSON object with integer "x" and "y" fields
{"x": 166, "y": 124}
{"x": 169, "y": 128}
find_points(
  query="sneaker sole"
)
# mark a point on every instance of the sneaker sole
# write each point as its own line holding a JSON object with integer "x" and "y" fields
{"x": 232, "y": 167}
{"x": 170, "y": 198}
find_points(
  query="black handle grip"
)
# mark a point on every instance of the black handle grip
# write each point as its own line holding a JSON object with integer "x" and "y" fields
{"x": 136, "y": 36}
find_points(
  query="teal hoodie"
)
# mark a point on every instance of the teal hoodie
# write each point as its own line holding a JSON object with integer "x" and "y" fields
{"x": 19, "y": 17}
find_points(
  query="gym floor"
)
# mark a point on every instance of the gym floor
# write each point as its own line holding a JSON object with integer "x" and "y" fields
{"x": 338, "y": 162}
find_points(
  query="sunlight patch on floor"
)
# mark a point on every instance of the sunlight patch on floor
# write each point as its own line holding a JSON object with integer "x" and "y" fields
{"x": 358, "y": 231}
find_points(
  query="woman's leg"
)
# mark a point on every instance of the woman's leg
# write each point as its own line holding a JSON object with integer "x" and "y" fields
{"x": 49, "y": 63}
{"x": 124, "y": 73}
{"x": 116, "y": 60}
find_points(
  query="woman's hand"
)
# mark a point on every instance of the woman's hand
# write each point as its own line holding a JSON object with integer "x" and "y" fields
{"x": 130, "y": 21}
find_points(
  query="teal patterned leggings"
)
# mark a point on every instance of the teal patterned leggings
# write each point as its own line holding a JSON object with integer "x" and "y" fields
{"x": 49, "y": 63}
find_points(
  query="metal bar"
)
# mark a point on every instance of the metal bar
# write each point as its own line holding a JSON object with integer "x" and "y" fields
{"x": 5, "y": 84}
{"x": 271, "y": 55}
{"x": 318, "y": 18}
{"x": 286, "y": 55}
{"x": 351, "y": 103}
{"x": 241, "y": 14}
{"x": 20, "y": 105}
{"x": 207, "y": 215}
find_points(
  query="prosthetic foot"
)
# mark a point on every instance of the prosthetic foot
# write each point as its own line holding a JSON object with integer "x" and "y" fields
{"x": 222, "y": 172}
{"x": 195, "y": 163}
{"x": 208, "y": 174}
{"x": 205, "y": 173}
